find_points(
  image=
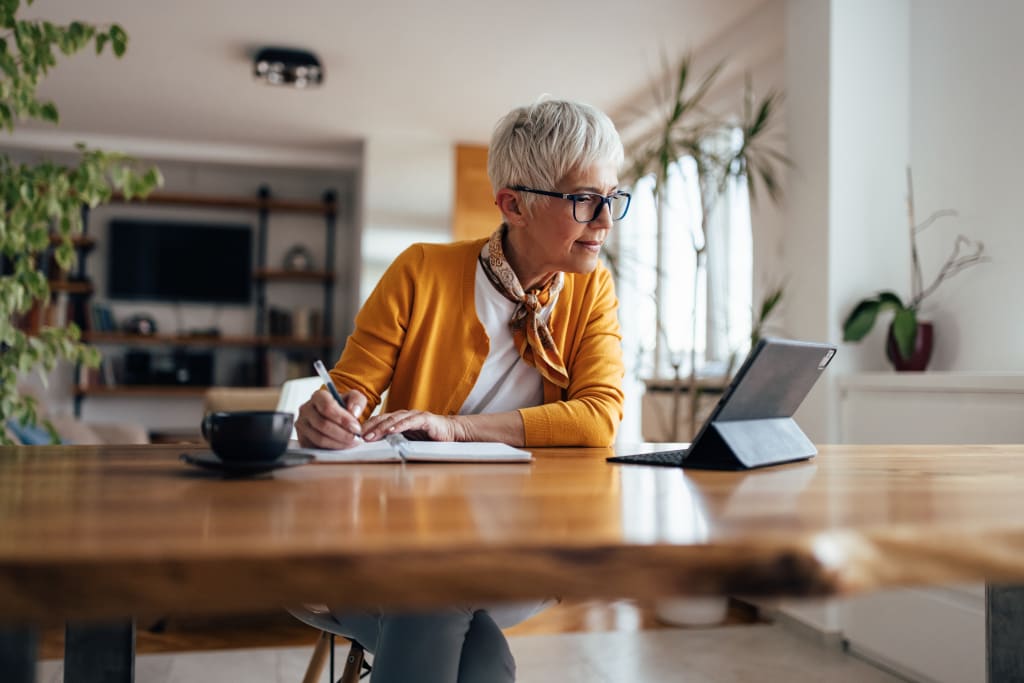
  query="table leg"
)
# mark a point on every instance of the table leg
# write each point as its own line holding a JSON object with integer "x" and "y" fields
{"x": 18, "y": 648}
{"x": 99, "y": 653}
{"x": 1004, "y": 633}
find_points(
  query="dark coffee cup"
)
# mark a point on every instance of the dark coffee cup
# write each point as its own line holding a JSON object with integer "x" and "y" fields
{"x": 254, "y": 435}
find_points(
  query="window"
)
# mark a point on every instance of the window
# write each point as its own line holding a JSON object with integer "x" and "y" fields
{"x": 657, "y": 313}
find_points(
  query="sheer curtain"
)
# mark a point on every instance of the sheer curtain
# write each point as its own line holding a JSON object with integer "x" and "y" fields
{"x": 657, "y": 317}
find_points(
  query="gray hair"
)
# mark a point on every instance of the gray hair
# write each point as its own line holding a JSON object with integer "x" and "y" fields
{"x": 538, "y": 145}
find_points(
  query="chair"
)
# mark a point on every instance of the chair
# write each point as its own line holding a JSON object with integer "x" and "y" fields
{"x": 318, "y": 617}
{"x": 294, "y": 393}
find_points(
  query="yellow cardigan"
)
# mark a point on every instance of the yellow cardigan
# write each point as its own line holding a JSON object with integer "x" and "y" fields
{"x": 418, "y": 333}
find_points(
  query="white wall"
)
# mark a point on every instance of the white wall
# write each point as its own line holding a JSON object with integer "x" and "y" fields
{"x": 966, "y": 147}
{"x": 846, "y": 80}
{"x": 869, "y": 143}
{"x": 408, "y": 195}
{"x": 848, "y": 124}
{"x": 941, "y": 97}
{"x": 806, "y": 242}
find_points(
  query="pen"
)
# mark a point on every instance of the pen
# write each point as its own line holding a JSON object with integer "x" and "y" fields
{"x": 322, "y": 372}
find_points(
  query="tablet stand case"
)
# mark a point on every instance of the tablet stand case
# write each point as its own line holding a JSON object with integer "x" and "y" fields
{"x": 743, "y": 444}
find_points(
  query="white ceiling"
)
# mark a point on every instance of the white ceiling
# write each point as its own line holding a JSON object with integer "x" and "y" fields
{"x": 445, "y": 70}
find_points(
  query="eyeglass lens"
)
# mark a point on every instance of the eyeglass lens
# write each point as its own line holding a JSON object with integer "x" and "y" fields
{"x": 587, "y": 207}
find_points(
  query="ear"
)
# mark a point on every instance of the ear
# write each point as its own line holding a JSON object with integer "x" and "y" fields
{"x": 510, "y": 207}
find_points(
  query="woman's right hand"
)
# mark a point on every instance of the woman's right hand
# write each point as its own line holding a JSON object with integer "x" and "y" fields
{"x": 322, "y": 423}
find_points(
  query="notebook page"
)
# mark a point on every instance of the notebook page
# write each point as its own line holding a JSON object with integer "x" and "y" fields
{"x": 376, "y": 451}
{"x": 462, "y": 451}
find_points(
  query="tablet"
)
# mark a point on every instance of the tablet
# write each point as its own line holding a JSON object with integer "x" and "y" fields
{"x": 752, "y": 425}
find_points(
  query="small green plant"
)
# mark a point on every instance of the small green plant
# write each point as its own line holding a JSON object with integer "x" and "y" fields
{"x": 40, "y": 205}
{"x": 966, "y": 253}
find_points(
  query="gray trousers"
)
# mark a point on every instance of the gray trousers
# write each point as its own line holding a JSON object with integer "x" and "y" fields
{"x": 449, "y": 645}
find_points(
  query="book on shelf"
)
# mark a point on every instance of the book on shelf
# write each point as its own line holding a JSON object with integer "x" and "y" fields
{"x": 107, "y": 370}
{"x": 279, "y": 322}
{"x": 316, "y": 323}
{"x": 58, "y": 312}
{"x": 88, "y": 377}
{"x": 306, "y": 323}
{"x": 103, "y": 376}
{"x": 301, "y": 323}
{"x": 397, "y": 448}
{"x": 102, "y": 318}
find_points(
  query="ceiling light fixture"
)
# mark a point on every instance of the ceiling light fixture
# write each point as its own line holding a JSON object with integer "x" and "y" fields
{"x": 287, "y": 66}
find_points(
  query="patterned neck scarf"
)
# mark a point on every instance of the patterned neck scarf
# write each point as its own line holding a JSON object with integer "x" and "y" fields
{"x": 529, "y": 325}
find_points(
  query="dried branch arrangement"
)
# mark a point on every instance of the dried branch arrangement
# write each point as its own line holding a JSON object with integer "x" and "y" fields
{"x": 965, "y": 254}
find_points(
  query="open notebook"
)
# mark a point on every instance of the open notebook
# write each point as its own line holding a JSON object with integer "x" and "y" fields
{"x": 396, "y": 448}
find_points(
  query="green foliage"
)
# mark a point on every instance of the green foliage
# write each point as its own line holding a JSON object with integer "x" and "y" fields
{"x": 862, "y": 319}
{"x": 688, "y": 128}
{"x": 768, "y": 306}
{"x": 42, "y": 203}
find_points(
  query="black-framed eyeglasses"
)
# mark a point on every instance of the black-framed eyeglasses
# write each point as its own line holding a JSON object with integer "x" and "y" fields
{"x": 586, "y": 206}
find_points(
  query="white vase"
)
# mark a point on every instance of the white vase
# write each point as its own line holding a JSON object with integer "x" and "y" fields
{"x": 692, "y": 611}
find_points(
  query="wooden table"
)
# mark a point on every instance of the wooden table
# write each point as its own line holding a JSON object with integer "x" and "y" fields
{"x": 94, "y": 533}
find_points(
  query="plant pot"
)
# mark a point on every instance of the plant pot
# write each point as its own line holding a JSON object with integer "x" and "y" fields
{"x": 918, "y": 360}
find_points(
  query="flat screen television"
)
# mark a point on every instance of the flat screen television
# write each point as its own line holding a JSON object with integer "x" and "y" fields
{"x": 152, "y": 260}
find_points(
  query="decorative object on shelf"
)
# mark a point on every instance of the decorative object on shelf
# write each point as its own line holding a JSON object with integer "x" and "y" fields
{"x": 298, "y": 259}
{"x": 140, "y": 324}
{"x": 917, "y": 361}
{"x": 909, "y": 341}
{"x": 288, "y": 66}
{"x": 723, "y": 149}
{"x": 42, "y": 214}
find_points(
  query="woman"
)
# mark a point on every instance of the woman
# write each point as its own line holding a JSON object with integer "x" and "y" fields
{"x": 514, "y": 338}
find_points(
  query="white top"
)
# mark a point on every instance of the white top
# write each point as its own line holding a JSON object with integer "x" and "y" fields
{"x": 505, "y": 381}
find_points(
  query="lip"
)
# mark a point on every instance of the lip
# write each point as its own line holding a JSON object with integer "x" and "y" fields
{"x": 590, "y": 246}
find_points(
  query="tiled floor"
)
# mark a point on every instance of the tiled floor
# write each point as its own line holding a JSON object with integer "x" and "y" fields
{"x": 723, "y": 655}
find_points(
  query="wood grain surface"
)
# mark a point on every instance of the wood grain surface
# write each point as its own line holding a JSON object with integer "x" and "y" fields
{"x": 110, "y": 531}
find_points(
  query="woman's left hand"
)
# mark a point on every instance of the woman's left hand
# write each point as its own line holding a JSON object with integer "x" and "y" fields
{"x": 423, "y": 424}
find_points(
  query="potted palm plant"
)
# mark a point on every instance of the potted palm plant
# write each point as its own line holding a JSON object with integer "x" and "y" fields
{"x": 688, "y": 129}
{"x": 910, "y": 339}
{"x": 41, "y": 205}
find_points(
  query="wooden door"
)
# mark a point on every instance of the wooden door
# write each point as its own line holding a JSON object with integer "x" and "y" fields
{"x": 475, "y": 214}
